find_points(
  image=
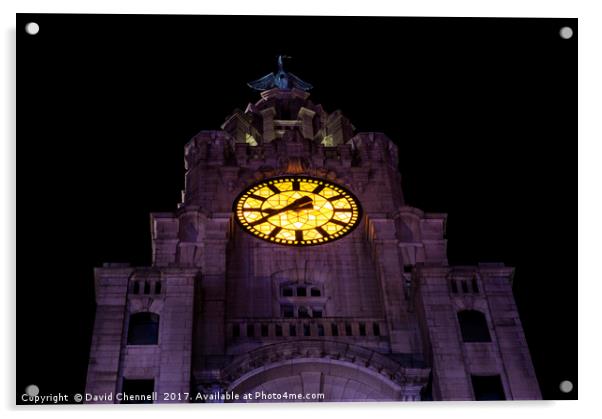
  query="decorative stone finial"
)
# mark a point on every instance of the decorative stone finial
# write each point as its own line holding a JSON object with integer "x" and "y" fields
{"x": 280, "y": 80}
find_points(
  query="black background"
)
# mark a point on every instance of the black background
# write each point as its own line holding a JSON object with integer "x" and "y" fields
{"x": 484, "y": 112}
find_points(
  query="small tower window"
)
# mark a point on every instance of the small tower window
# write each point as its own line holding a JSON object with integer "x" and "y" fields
{"x": 158, "y": 287}
{"x": 348, "y": 329}
{"x": 142, "y": 388}
{"x": 488, "y": 387}
{"x": 320, "y": 330}
{"x": 362, "y": 329}
{"x": 303, "y": 313}
{"x": 250, "y": 330}
{"x": 292, "y": 330}
{"x": 335, "y": 330}
{"x": 288, "y": 312}
{"x": 301, "y": 292}
{"x": 264, "y": 330}
{"x": 473, "y": 326}
{"x": 454, "y": 286}
{"x": 376, "y": 329}
{"x": 475, "y": 285}
{"x": 464, "y": 287}
{"x": 278, "y": 330}
{"x": 306, "y": 330}
{"x": 146, "y": 287}
{"x": 136, "y": 289}
{"x": 235, "y": 330}
{"x": 315, "y": 292}
{"x": 287, "y": 292}
{"x": 143, "y": 329}
{"x": 317, "y": 313}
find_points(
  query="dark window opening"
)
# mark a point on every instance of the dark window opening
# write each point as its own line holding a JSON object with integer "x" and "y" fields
{"x": 473, "y": 326}
{"x": 146, "y": 287}
{"x": 488, "y": 387}
{"x": 264, "y": 330}
{"x": 376, "y": 329}
{"x": 306, "y": 330}
{"x": 250, "y": 330}
{"x": 287, "y": 292}
{"x": 475, "y": 285}
{"x": 235, "y": 330}
{"x": 288, "y": 312}
{"x": 292, "y": 330}
{"x": 426, "y": 392}
{"x": 362, "y": 329}
{"x": 303, "y": 313}
{"x": 320, "y": 330}
{"x": 138, "y": 391}
{"x": 335, "y": 330}
{"x": 158, "y": 287}
{"x": 454, "y": 286}
{"x": 348, "y": 329}
{"x": 407, "y": 269}
{"x": 464, "y": 287}
{"x": 301, "y": 292}
{"x": 278, "y": 330}
{"x": 317, "y": 314}
{"x": 315, "y": 292}
{"x": 136, "y": 289}
{"x": 143, "y": 329}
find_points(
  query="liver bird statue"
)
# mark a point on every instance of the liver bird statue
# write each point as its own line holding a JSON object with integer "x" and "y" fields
{"x": 280, "y": 80}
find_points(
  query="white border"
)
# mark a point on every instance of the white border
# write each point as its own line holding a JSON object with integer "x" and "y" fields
{"x": 590, "y": 192}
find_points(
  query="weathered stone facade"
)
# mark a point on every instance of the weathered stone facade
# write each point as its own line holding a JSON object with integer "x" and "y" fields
{"x": 386, "y": 297}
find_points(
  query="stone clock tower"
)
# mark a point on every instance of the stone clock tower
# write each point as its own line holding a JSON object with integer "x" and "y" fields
{"x": 294, "y": 265}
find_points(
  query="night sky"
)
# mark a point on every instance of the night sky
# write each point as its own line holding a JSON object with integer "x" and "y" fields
{"x": 484, "y": 112}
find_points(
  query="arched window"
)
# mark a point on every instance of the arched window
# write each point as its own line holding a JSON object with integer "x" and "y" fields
{"x": 473, "y": 326}
{"x": 143, "y": 329}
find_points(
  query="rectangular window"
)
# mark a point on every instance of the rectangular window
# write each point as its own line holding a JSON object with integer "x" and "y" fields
{"x": 301, "y": 292}
{"x": 158, "y": 287}
{"x": 315, "y": 292}
{"x": 348, "y": 329}
{"x": 464, "y": 287}
{"x": 362, "y": 329}
{"x": 146, "y": 287}
{"x": 288, "y": 312}
{"x": 335, "y": 330}
{"x": 137, "y": 391}
{"x": 320, "y": 330}
{"x": 488, "y": 387}
{"x": 287, "y": 292}
{"x": 278, "y": 330}
{"x": 454, "y": 286}
{"x": 306, "y": 330}
{"x": 250, "y": 330}
{"x": 264, "y": 330}
{"x": 475, "y": 286}
{"x": 235, "y": 330}
{"x": 292, "y": 330}
{"x": 317, "y": 314}
{"x": 376, "y": 329}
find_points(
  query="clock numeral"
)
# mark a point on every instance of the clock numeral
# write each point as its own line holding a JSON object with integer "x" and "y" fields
{"x": 298, "y": 235}
{"x": 323, "y": 232}
{"x": 274, "y": 188}
{"x": 275, "y": 231}
{"x": 296, "y": 185}
{"x": 259, "y": 198}
{"x": 318, "y": 189}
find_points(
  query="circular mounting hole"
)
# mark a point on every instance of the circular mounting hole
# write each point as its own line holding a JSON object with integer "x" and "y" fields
{"x": 32, "y": 28}
{"x": 566, "y": 32}
{"x": 566, "y": 386}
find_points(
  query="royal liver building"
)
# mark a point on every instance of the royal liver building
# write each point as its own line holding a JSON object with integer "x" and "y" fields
{"x": 293, "y": 270}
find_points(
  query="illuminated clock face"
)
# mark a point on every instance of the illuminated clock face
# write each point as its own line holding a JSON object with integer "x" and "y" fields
{"x": 297, "y": 210}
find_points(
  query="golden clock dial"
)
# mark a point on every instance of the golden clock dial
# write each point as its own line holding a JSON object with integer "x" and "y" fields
{"x": 297, "y": 210}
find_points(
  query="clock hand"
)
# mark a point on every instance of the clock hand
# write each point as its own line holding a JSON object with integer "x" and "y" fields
{"x": 299, "y": 203}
